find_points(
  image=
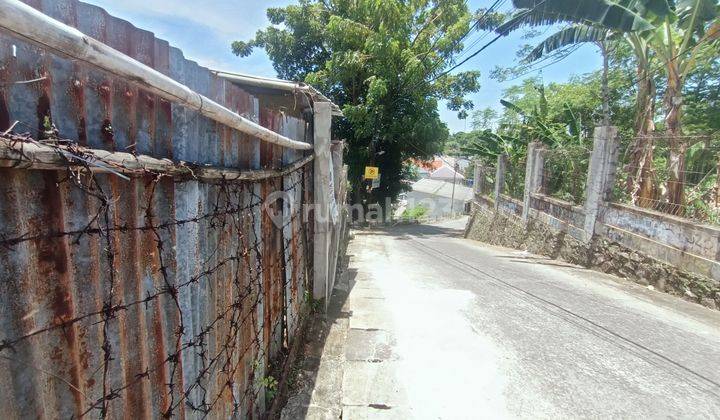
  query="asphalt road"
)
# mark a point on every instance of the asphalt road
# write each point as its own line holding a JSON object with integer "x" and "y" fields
{"x": 444, "y": 327}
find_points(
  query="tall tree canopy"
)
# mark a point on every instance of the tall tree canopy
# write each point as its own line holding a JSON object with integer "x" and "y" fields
{"x": 384, "y": 62}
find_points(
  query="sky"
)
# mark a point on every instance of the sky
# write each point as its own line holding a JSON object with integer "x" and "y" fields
{"x": 204, "y": 30}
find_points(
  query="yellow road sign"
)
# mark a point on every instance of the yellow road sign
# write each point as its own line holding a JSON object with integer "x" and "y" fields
{"x": 371, "y": 172}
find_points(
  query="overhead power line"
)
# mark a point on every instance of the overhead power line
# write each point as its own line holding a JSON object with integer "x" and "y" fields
{"x": 483, "y": 17}
{"x": 481, "y": 49}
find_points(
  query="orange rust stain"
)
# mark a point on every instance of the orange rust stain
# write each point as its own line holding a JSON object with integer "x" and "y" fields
{"x": 52, "y": 266}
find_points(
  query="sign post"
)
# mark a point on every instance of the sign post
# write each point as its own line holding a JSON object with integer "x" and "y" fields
{"x": 372, "y": 172}
{"x": 375, "y": 183}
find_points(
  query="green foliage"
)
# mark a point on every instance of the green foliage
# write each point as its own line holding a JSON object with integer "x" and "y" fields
{"x": 270, "y": 385}
{"x": 383, "y": 62}
{"x": 702, "y": 95}
{"x": 410, "y": 172}
{"x": 458, "y": 141}
{"x": 537, "y": 123}
{"x": 565, "y": 173}
{"x": 415, "y": 213}
{"x": 315, "y": 304}
{"x": 485, "y": 118}
{"x": 677, "y": 33}
{"x": 604, "y": 13}
{"x": 575, "y": 34}
{"x": 552, "y": 115}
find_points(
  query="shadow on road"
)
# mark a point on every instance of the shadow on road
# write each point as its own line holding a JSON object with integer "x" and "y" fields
{"x": 535, "y": 259}
{"x": 419, "y": 230}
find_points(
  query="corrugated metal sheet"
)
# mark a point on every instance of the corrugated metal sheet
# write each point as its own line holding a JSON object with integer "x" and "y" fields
{"x": 147, "y": 297}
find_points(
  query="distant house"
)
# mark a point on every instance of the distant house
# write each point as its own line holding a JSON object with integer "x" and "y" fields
{"x": 442, "y": 168}
{"x": 446, "y": 173}
{"x": 461, "y": 162}
{"x": 437, "y": 196}
{"x": 425, "y": 167}
{"x": 423, "y": 173}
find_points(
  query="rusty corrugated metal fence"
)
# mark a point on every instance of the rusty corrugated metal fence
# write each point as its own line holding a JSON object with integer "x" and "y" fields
{"x": 155, "y": 296}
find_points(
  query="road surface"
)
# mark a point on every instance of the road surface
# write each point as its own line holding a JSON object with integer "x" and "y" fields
{"x": 440, "y": 327}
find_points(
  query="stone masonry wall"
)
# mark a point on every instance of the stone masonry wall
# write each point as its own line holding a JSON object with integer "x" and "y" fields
{"x": 498, "y": 228}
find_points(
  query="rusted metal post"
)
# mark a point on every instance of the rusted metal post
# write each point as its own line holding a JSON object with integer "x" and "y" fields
{"x": 324, "y": 200}
{"x": 533, "y": 175}
{"x": 500, "y": 178}
{"x": 601, "y": 175}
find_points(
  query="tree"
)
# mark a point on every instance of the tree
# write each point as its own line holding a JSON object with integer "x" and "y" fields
{"x": 640, "y": 171}
{"x": 674, "y": 31}
{"x": 483, "y": 119}
{"x": 586, "y": 28}
{"x": 678, "y": 42}
{"x": 560, "y": 115}
{"x": 456, "y": 142}
{"x": 384, "y": 63}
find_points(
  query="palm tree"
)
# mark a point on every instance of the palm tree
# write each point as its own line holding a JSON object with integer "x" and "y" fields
{"x": 674, "y": 31}
{"x": 677, "y": 41}
{"x": 640, "y": 181}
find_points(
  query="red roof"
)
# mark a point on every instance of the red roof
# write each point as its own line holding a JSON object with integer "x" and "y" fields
{"x": 429, "y": 165}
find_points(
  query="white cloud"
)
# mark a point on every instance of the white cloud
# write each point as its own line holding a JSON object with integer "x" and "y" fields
{"x": 230, "y": 19}
{"x": 202, "y": 29}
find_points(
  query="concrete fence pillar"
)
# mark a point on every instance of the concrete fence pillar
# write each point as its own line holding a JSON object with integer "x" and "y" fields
{"x": 533, "y": 175}
{"x": 478, "y": 178}
{"x": 500, "y": 177}
{"x": 337, "y": 227}
{"x": 601, "y": 175}
{"x": 336, "y": 148}
{"x": 324, "y": 198}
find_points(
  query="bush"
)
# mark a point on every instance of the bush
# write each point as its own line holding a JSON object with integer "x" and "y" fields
{"x": 415, "y": 212}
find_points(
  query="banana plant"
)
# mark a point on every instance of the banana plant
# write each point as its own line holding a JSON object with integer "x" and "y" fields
{"x": 537, "y": 125}
{"x": 641, "y": 174}
{"x": 677, "y": 42}
{"x": 675, "y": 31}
{"x": 563, "y": 138}
{"x": 488, "y": 146}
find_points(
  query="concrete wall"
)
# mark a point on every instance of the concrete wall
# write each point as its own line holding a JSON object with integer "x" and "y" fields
{"x": 509, "y": 205}
{"x": 669, "y": 239}
{"x": 670, "y": 253}
{"x": 619, "y": 253}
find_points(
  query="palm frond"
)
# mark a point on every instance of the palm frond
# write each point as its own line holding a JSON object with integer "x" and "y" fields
{"x": 572, "y": 35}
{"x": 531, "y": 18}
{"x": 512, "y": 106}
{"x": 605, "y": 13}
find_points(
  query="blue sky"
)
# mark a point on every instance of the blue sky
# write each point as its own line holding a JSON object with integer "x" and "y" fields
{"x": 204, "y": 29}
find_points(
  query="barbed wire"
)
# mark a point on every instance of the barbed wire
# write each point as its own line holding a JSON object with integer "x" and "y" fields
{"x": 255, "y": 268}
